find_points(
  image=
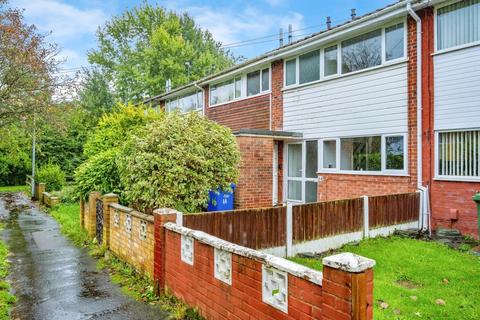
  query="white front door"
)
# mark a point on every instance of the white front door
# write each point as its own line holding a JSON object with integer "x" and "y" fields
{"x": 301, "y": 176}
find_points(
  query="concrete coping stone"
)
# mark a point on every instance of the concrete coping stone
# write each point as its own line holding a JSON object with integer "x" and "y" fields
{"x": 268, "y": 260}
{"x": 48, "y": 195}
{"x": 132, "y": 212}
{"x": 348, "y": 262}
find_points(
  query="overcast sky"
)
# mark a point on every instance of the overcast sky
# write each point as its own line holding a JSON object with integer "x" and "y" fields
{"x": 73, "y": 23}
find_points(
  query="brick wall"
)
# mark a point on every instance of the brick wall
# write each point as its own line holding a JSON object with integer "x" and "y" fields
{"x": 254, "y": 188}
{"x": 451, "y": 201}
{"x": 343, "y": 186}
{"x": 277, "y": 95}
{"x": 128, "y": 244}
{"x": 307, "y": 297}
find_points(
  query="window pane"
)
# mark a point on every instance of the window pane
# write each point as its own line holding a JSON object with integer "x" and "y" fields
{"x": 294, "y": 190}
{"x": 362, "y": 52}
{"x": 394, "y": 152}
{"x": 330, "y": 154}
{"x": 360, "y": 154}
{"x": 459, "y": 154}
{"x": 265, "y": 80}
{"x": 222, "y": 92}
{"x": 294, "y": 160}
{"x": 310, "y": 191}
{"x": 394, "y": 42}
{"x": 311, "y": 159}
{"x": 309, "y": 66}
{"x": 253, "y": 83}
{"x": 458, "y": 24}
{"x": 238, "y": 87}
{"x": 290, "y": 72}
{"x": 330, "y": 60}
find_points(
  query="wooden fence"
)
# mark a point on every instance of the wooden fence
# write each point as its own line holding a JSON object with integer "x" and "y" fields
{"x": 322, "y": 219}
{"x": 252, "y": 228}
{"x": 393, "y": 209}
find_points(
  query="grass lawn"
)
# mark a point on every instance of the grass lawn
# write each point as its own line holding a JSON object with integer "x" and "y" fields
{"x": 68, "y": 216}
{"x": 411, "y": 275}
{"x": 14, "y": 189}
{"x": 6, "y": 299}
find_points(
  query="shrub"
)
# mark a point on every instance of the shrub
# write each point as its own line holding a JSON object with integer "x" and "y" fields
{"x": 68, "y": 194}
{"x": 52, "y": 175}
{"x": 174, "y": 162}
{"x": 99, "y": 171}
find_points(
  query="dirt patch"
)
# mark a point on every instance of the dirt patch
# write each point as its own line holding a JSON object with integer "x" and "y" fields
{"x": 407, "y": 284}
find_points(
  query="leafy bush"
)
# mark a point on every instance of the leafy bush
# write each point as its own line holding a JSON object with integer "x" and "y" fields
{"x": 99, "y": 172}
{"x": 52, "y": 175}
{"x": 68, "y": 194}
{"x": 174, "y": 162}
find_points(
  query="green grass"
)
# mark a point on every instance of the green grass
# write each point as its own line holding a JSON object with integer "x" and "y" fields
{"x": 132, "y": 283}
{"x": 429, "y": 271}
{"x": 14, "y": 189}
{"x": 6, "y": 299}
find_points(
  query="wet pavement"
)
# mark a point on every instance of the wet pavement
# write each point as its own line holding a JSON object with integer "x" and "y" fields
{"x": 51, "y": 278}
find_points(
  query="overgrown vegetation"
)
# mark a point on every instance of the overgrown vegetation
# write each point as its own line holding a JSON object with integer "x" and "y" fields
{"x": 174, "y": 161}
{"x": 132, "y": 283}
{"x": 6, "y": 298}
{"x": 15, "y": 189}
{"x": 52, "y": 175}
{"x": 416, "y": 279}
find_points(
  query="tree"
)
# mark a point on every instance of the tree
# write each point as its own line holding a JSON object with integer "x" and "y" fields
{"x": 174, "y": 162}
{"x": 27, "y": 67}
{"x": 142, "y": 48}
{"x": 15, "y": 163}
{"x": 95, "y": 95}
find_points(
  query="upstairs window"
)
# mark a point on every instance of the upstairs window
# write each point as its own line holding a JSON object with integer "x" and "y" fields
{"x": 362, "y": 52}
{"x": 291, "y": 72}
{"x": 458, "y": 24}
{"x": 222, "y": 92}
{"x": 186, "y": 103}
{"x": 258, "y": 81}
{"x": 309, "y": 67}
{"x": 330, "y": 60}
{"x": 394, "y": 42}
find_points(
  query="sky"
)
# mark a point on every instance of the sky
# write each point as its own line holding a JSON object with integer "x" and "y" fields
{"x": 72, "y": 23}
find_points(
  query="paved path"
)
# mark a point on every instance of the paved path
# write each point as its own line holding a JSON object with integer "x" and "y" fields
{"x": 53, "y": 279}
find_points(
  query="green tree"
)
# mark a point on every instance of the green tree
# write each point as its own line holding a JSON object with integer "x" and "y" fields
{"x": 142, "y": 48}
{"x": 99, "y": 171}
{"x": 95, "y": 95}
{"x": 175, "y": 161}
{"x": 15, "y": 163}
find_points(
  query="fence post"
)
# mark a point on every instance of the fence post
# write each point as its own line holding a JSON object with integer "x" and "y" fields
{"x": 107, "y": 199}
{"x": 90, "y": 218}
{"x": 179, "y": 220}
{"x": 289, "y": 229}
{"x": 161, "y": 217}
{"x": 348, "y": 283}
{"x": 366, "y": 223}
{"x": 82, "y": 212}
{"x": 41, "y": 190}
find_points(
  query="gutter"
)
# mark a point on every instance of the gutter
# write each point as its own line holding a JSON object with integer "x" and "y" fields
{"x": 423, "y": 190}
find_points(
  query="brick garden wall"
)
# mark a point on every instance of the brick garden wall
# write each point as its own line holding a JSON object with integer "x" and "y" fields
{"x": 254, "y": 188}
{"x": 132, "y": 244}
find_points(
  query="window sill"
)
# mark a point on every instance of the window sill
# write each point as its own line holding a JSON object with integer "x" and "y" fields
{"x": 457, "y": 48}
{"x": 366, "y": 173}
{"x": 340, "y": 76}
{"x": 264, "y": 93}
{"x": 457, "y": 179}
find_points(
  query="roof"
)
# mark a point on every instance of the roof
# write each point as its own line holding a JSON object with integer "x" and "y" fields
{"x": 272, "y": 53}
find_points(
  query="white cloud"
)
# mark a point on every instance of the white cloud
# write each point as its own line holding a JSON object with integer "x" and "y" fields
{"x": 64, "y": 20}
{"x": 230, "y": 25}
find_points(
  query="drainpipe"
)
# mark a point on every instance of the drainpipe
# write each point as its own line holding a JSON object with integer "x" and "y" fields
{"x": 420, "y": 186}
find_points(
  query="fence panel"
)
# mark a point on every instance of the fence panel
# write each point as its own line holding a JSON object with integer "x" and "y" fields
{"x": 252, "y": 228}
{"x": 322, "y": 219}
{"x": 393, "y": 209}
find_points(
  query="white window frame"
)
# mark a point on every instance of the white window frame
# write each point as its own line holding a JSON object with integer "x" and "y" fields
{"x": 303, "y": 179}
{"x": 199, "y": 108}
{"x": 383, "y": 171}
{"x": 437, "y": 176}
{"x": 243, "y": 95}
{"x": 339, "y": 73}
{"x": 435, "y": 33}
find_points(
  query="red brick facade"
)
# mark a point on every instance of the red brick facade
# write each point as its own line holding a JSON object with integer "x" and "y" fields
{"x": 254, "y": 188}
{"x": 277, "y": 95}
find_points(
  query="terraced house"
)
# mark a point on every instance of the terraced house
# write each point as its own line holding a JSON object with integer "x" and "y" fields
{"x": 388, "y": 102}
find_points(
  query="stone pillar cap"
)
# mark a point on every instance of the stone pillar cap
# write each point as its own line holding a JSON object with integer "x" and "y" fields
{"x": 110, "y": 195}
{"x": 348, "y": 262}
{"x": 162, "y": 211}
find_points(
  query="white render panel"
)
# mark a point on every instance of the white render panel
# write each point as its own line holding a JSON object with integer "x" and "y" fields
{"x": 457, "y": 89}
{"x": 370, "y": 102}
